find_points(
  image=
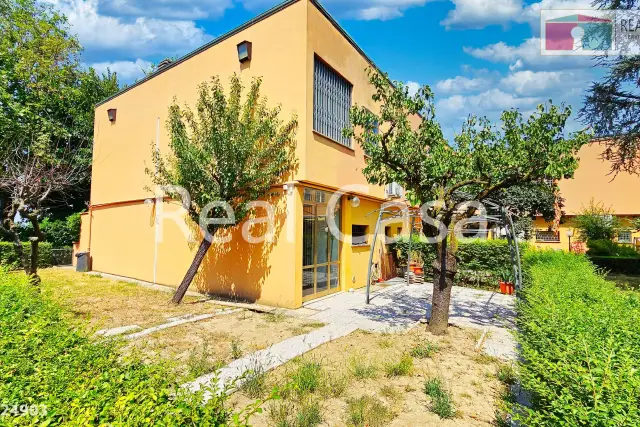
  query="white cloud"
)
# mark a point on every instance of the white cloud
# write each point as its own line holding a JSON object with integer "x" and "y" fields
{"x": 563, "y": 83}
{"x": 127, "y": 71}
{"x": 165, "y": 9}
{"x": 478, "y": 14}
{"x": 482, "y": 13}
{"x": 462, "y": 84}
{"x": 139, "y": 37}
{"x": 492, "y": 100}
{"x": 527, "y": 56}
{"x": 413, "y": 87}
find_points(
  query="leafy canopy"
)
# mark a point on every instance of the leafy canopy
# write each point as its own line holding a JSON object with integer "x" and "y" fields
{"x": 227, "y": 149}
{"x": 480, "y": 162}
{"x": 612, "y": 104}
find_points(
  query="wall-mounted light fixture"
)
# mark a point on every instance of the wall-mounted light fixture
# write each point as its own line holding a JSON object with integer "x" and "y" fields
{"x": 244, "y": 51}
{"x": 355, "y": 201}
{"x": 112, "y": 114}
{"x": 288, "y": 189}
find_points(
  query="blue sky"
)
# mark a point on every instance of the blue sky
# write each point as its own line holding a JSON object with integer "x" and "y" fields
{"x": 479, "y": 56}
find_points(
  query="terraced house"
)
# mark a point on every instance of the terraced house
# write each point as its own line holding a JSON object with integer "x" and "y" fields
{"x": 593, "y": 181}
{"x": 313, "y": 69}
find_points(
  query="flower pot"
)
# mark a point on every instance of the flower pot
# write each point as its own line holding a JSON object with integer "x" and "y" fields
{"x": 507, "y": 288}
{"x": 503, "y": 288}
{"x": 418, "y": 270}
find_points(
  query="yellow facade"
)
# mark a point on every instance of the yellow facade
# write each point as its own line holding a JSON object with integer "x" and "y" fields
{"x": 120, "y": 230}
{"x": 593, "y": 181}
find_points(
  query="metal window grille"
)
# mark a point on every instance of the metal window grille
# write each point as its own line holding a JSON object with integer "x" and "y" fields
{"x": 394, "y": 190}
{"x": 331, "y": 103}
{"x": 547, "y": 236}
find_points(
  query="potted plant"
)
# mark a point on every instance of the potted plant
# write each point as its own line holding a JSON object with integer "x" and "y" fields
{"x": 506, "y": 281}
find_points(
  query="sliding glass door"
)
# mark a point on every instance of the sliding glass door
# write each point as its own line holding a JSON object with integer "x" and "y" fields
{"x": 321, "y": 250}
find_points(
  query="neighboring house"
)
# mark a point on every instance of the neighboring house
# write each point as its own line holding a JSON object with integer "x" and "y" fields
{"x": 593, "y": 180}
{"x": 313, "y": 69}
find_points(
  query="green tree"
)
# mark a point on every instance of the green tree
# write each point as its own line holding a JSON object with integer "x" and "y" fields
{"x": 480, "y": 163}
{"x": 227, "y": 150}
{"x": 46, "y": 117}
{"x": 612, "y": 105}
{"x": 597, "y": 222}
{"x": 527, "y": 201}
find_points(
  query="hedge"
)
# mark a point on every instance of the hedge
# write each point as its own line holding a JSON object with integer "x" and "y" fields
{"x": 580, "y": 345}
{"x": 9, "y": 258}
{"x": 480, "y": 261}
{"x": 618, "y": 265}
{"x": 47, "y": 362}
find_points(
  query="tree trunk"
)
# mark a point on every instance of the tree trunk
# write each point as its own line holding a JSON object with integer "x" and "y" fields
{"x": 12, "y": 228}
{"x": 444, "y": 271}
{"x": 38, "y": 236}
{"x": 191, "y": 273}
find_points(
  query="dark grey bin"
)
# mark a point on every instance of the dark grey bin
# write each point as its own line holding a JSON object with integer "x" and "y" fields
{"x": 82, "y": 266}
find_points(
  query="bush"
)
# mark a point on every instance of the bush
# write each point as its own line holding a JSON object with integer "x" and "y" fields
{"x": 597, "y": 222}
{"x": 610, "y": 248}
{"x": 617, "y": 265}
{"x": 60, "y": 232}
{"x": 46, "y": 361}
{"x": 421, "y": 251}
{"x": 580, "y": 343}
{"x": 9, "y": 258}
{"x": 481, "y": 262}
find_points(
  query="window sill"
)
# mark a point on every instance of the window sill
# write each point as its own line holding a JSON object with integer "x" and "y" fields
{"x": 548, "y": 241}
{"x": 360, "y": 245}
{"x": 334, "y": 141}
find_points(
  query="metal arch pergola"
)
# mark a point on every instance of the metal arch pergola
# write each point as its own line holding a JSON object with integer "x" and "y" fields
{"x": 501, "y": 217}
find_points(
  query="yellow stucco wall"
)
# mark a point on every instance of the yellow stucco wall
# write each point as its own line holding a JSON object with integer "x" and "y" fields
{"x": 593, "y": 181}
{"x": 120, "y": 230}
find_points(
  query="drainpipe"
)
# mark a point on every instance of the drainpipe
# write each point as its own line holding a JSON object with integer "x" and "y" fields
{"x": 156, "y": 221}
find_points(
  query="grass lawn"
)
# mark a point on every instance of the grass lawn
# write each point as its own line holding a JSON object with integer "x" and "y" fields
{"x": 364, "y": 379}
{"x": 107, "y": 303}
{"x": 192, "y": 349}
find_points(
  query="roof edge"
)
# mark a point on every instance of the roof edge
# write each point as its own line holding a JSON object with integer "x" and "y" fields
{"x": 242, "y": 27}
{"x": 202, "y": 48}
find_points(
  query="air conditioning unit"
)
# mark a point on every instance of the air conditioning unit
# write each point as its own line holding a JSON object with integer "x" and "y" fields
{"x": 394, "y": 190}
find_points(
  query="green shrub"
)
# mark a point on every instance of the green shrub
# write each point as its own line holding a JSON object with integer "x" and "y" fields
{"x": 46, "y": 361}
{"x": 482, "y": 261}
{"x": 9, "y": 258}
{"x": 580, "y": 344}
{"x": 617, "y": 265}
{"x": 441, "y": 401}
{"x": 421, "y": 251}
{"x": 507, "y": 374}
{"x": 610, "y": 248}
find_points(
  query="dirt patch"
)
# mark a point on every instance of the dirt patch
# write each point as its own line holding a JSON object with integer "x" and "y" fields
{"x": 107, "y": 303}
{"x": 380, "y": 379}
{"x": 200, "y": 348}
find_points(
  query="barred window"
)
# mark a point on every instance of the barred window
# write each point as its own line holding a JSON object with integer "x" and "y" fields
{"x": 625, "y": 236}
{"x": 331, "y": 103}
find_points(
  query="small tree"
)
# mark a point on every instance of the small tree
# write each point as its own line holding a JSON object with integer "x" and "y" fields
{"x": 46, "y": 118}
{"x": 597, "y": 222}
{"x": 479, "y": 164}
{"x": 228, "y": 150}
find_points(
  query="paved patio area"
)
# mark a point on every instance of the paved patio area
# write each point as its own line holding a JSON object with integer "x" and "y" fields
{"x": 392, "y": 309}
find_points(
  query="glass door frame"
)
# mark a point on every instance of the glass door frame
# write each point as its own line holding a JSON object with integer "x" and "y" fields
{"x": 317, "y": 204}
